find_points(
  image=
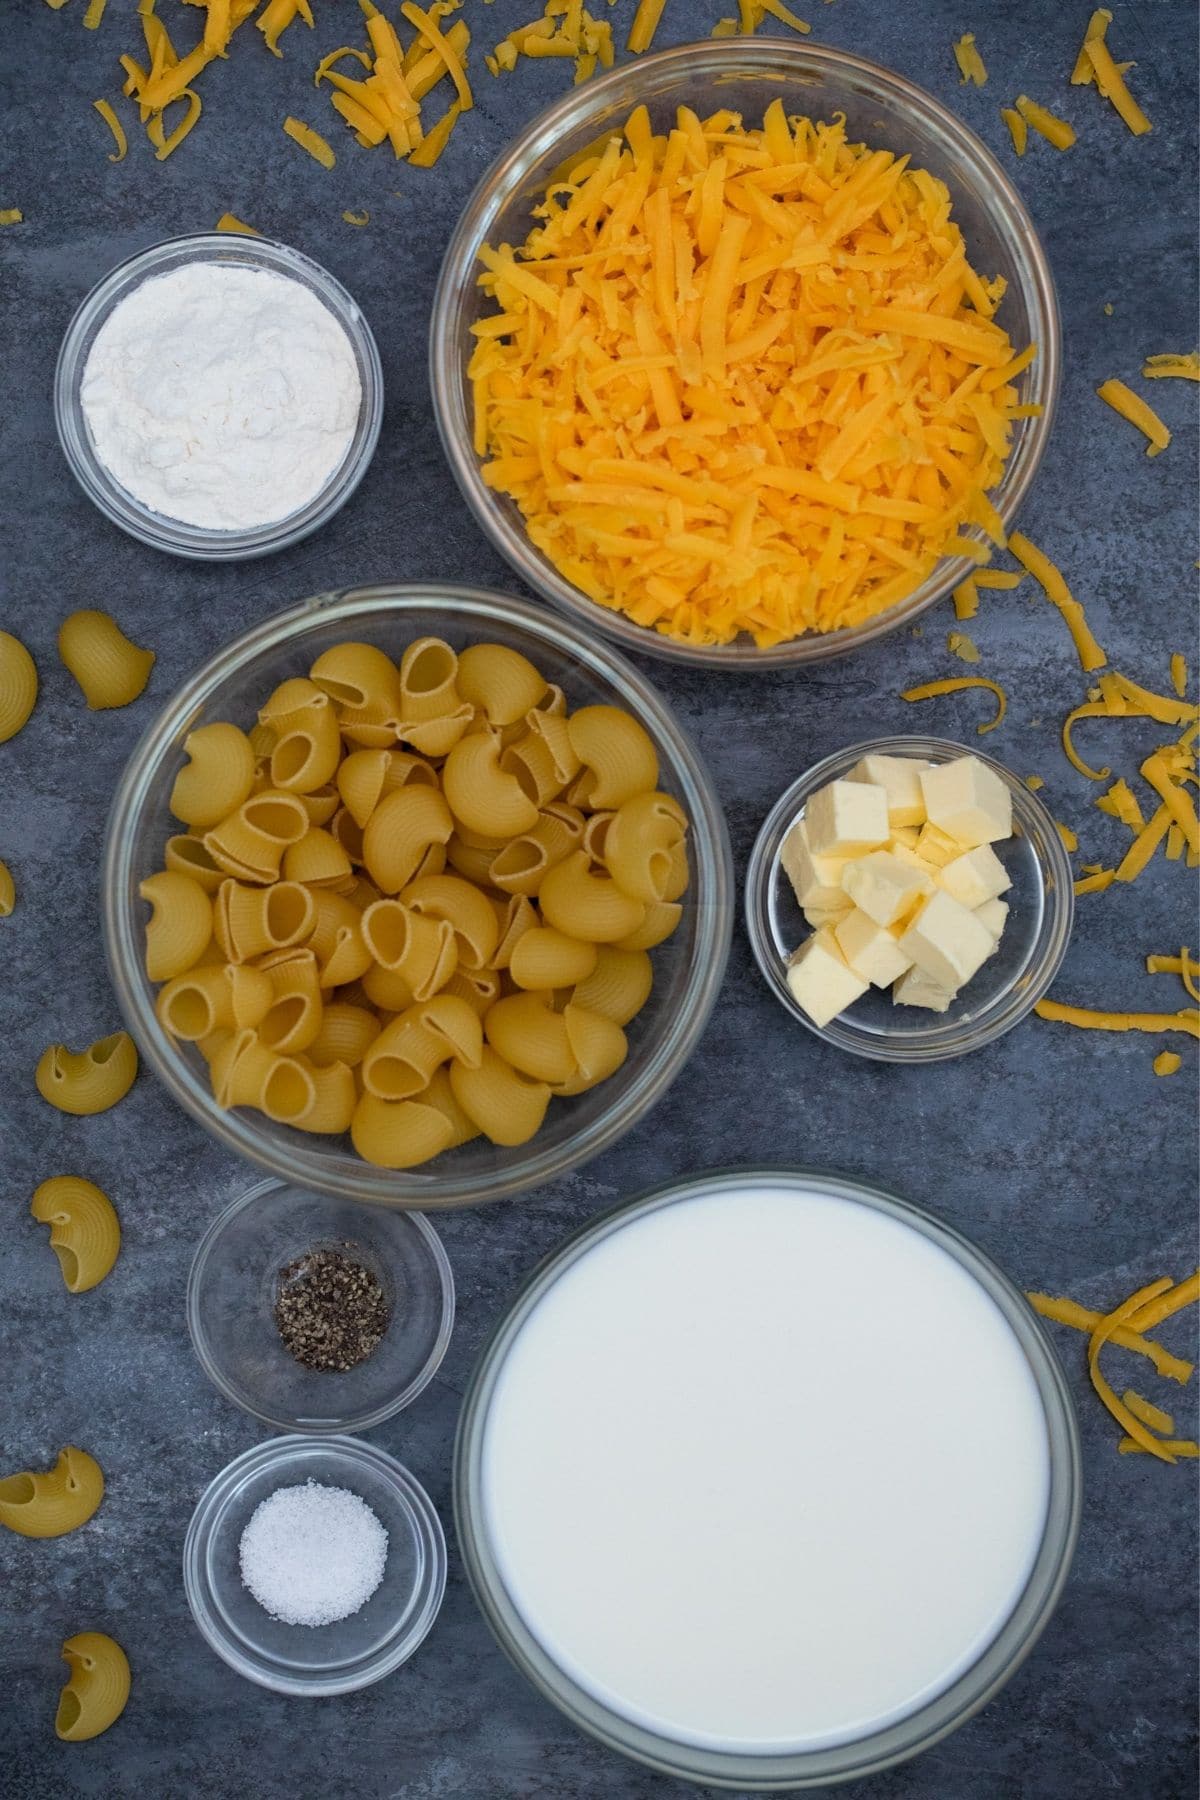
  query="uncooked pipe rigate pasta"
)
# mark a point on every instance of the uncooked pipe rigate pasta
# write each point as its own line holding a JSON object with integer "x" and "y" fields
{"x": 8, "y": 891}
{"x": 413, "y": 900}
{"x": 85, "y": 1233}
{"x": 97, "y": 1689}
{"x": 88, "y": 1081}
{"x": 18, "y": 685}
{"x": 110, "y": 669}
{"x": 50, "y": 1504}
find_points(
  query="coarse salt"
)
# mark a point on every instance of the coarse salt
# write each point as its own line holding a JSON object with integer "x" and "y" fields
{"x": 223, "y": 397}
{"x": 312, "y": 1554}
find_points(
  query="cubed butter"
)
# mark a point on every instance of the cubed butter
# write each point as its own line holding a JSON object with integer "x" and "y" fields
{"x": 968, "y": 801}
{"x": 846, "y": 818}
{"x": 975, "y": 877}
{"x": 904, "y": 834}
{"x": 884, "y": 886}
{"x": 993, "y": 916}
{"x": 817, "y": 880}
{"x": 821, "y": 981}
{"x": 916, "y": 988}
{"x": 870, "y": 949}
{"x": 935, "y": 846}
{"x": 816, "y": 916}
{"x": 913, "y": 858}
{"x": 900, "y": 779}
{"x": 946, "y": 940}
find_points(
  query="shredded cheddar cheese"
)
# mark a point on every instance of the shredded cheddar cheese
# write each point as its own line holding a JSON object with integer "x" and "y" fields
{"x": 1179, "y": 1447}
{"x": 1034, "y": 782}
{"x": 310, "y": 140}
{"x": 1055, "y": 131}
{"x": 92, "y": 18}
{"x": 11, "y": 215}
{"x": 1081, "y": 1318}
{"x": 1144, "y": 845}
{"x": 1050, "y": 579}
{"x": 1184, "y": 965}
{"x": 1111, "y": 81}
{"x": 1083, "y": 71}
{"x": 1172, "y": 1298}
{"x": 1149, "y": 1414}
{"x": 743, "y": 380}
{"x": 1120, "y": 802}
{"x": 1096, "y": 882}
{"x": 966, "y": 599}
{"x": 1174, "y": 798}
{"x": 1179, "y": 674}
{"x": 960, "y": 645}
{"x": 1184, "y": 367}
{"x": 970, "y": 64}
{"x": 1070, "y": 841}
{"x": 357, "y": 218}
{"x": 645, "y": 24}
{"x": 1168, "y": 1062}
{"x": 1130, "y": 1423}
{"x": 230, "y": 222}
{"x": 115, "y": 126}
{"x": 1018, "y": 130}
{"x": 1131, "y": 406}
{"x": 930, "y": 690}
{"x": 1085, "y": 1019}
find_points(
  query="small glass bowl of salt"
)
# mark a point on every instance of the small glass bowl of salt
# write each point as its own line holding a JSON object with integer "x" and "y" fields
{"x": 219, "y": 396}
{"x": 314, "y": 1566}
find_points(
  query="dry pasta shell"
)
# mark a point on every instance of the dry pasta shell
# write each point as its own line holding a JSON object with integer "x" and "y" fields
{"x": 520, "y": 866}
{"x": 318, "y": 860}
{"x": 545, "y": 958}
{"x": 187, "y": 856}
{"x": 399, "y": 1134}
{"x": 293, "y": 1019}
{"x": 618, "y": 752}
{"x": 403, "y": 826}
{"x": 257, "y": 834}
{"x": 468, "y": 912}
{"x": 250, "y": 921}
{"x": 195, "y": 1004}
{"x": 471, "y": 861}
{"x": 337, "y": 939}
{"x": 320, "y": 805}
{"x": 18, "y": 685}
{"x": 217, "y": 776}
{"x": 360, "y": 780}
{"x": 400, "y": 1063}
{"x": 502, "y": 683}
{"x": 587, "y": 904}
{"x": 480, "y": 988}
{"x": 180, "y": 926}
{"x": 359, "y": 678}
{"x": 532, "y": 1038}
{"x": 88, "y": 1081}
{"x": 110, "y": 669}
{"x": 37, "y": 1505}
{"x": 598, "y": 1047}
{"x": 506, "y": 1106}
{"x": 662, "y": 916}
{"x": 423, "y": 951}
{"x": 643, "y": 848}
{"x": 347, "y": 1033}
{"x": 440, "y": 1095}
{"x": 435, "y": 737}
{"x": 335, "y": 1097}
{"x": 386, "y": 990}
{"x": 532, "y": 762}
{"x": 516, "y": 916}
{"x": 428, "y": 672}
{"x": 97, "y": 1689}
{"x": 482, "y": 796}
{"x": 619, "y": 984}
{"x": 85, "y": 1233}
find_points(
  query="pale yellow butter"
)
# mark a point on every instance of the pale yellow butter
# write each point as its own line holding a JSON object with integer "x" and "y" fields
{"x": 947, "y": 941}
{"x": 885, "y": 886}
{"x": 900, "y": 779}
{"x": 916, "y": 988}
{"x": 817, "y": 880}
{"x": 846, "y": 818}
{"x": 975, "y": 877}
{"x": 821, "y": 981}
{"x": 816, "y": 916}
{"x": 936, "y": 847}
{"x": 904, "y": 834}
{"x": 968, "y": 801}
{"x": 870, "y": 949}
{"x": 993, "y": 916}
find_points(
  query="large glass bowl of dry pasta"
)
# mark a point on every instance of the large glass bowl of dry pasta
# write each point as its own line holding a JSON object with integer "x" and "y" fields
{"x": 745, "y": 353}
{"x": 417, "y": 895}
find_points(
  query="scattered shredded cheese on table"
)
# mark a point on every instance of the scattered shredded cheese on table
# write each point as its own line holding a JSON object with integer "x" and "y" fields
{"x": 1096, "y": 882}
{"x": 744, "y": 380}
{"x": 1186, "y": 1020}
{"x": 1055, "y": 131}
{"x": 930, "y": 690}
{"x": 1182, "y": 366}
{"x": 1110, "y": 79}
{"x": 11, "y": 215}
{"x": 231, "y": 222}
{"x": 960, "y": 645}
{"x": 1131, "y": 406}
{"x": 1050, "y": 578}
{"x": 1018, "y": 130}
{"x": 310, "y": 140}
{"x": 115, "y": 126}
{"x": 1081, "y": 1318}
{"x": 971, "y": 65}
{"x": 1168, "y": 1062}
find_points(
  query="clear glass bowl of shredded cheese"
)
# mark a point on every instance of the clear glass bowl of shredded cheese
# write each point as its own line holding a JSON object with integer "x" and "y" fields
{"x": 1041, "y": 908}
{"x": 195, "y": 362}
{"x": 688, "y": 967}
{"x": 882, "y": 110}
{"x": 315, "y": 1659}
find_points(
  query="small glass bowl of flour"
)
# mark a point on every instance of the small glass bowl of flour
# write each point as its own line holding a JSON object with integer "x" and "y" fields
{"x": 219, "y": 397}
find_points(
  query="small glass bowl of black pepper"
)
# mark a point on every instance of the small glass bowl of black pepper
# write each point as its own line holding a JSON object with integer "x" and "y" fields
{"x": 317, "y": 1315}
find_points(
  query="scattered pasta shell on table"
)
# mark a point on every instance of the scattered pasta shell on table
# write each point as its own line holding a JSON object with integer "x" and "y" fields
{"x": 88, "y": 1081}
{"x": 8, "y": 891}
{"x": 415, "y": 898}
{"x": 110, "y": 669}
{"x": 18, "y": 685}
{"x": 97, "y": 1689}
{"x": 50, "y": 1505}
{"x": 85, "y": 1233}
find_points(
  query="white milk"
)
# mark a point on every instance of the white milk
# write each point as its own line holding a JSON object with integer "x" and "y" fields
{"x": 765, "y": 1471}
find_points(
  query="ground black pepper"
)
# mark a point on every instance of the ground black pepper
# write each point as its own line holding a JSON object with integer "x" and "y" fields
{"x": 331, "y": 1311}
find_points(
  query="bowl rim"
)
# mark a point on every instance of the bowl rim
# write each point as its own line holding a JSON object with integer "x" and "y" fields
{"x": 446, "y": 380}
{"x": 1008, "y": 1008}
{"x": 351, "y": 1422}
{"x": 276, "y": 1453}
{"x": 713, "y": 891}
{"x": 159, "y": 531}
{"x": 973, "y": 1689}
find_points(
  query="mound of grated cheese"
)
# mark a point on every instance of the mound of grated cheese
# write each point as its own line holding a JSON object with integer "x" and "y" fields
{"x": 744, "y": 381}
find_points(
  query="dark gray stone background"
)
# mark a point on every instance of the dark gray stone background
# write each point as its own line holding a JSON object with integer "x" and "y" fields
{"x": 1058, "y": 1150}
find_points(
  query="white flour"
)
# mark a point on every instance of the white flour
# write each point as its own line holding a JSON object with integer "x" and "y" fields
{"x": 223, "y": 397}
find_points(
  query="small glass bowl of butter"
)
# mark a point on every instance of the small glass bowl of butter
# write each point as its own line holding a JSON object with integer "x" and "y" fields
{"x": 876, "y": 1020}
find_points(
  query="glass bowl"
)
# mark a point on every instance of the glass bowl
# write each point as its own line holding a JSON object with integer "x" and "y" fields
{"x": 688, "y": 967}
{"x": 810, "y": 1767}
{"x": 231, "y": 1295}
{"x": 323, "y": 1659}
{"x": 1041, "y": 909}
{"x": 131, "y": 514}
{"x": 881, "y": 108}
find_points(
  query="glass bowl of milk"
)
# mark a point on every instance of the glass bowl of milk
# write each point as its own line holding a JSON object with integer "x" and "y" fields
{"x": 768, "y": 1479}
{"x": 219, "y": 396}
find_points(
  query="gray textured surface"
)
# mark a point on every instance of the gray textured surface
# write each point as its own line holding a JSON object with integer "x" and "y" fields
{"x": 1060, "y": 1151}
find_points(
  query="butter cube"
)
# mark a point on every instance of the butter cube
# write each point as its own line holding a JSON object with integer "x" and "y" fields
{"x": 975, "y": 877}
{"x": 884, "y": 886}
{"x": 900, "y": 779}
{"x": 968, "y": 801}
{"x": 817, "y": 880}
{"x": 913, "y": 859}
{"x": 904, "y": 834}
{"x": 936, "y": 847}
{"x": 870, "y": 949}
{"x": 847, "y": 818}
{"x": 915, "y": 988}
{"x": 993, "y": 916}
{"x": 947, "y": 941}
{"x": 821, "y": 982}
{"x": 816, "y": 916}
